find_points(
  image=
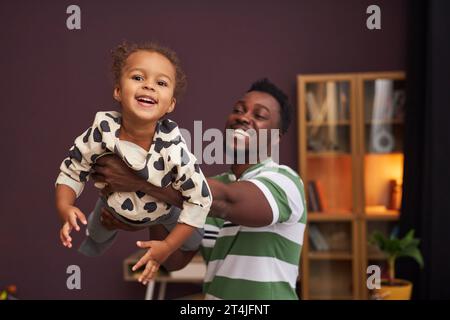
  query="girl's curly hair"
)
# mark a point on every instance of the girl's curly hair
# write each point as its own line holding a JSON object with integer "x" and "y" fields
{"x": 125, "y": 49}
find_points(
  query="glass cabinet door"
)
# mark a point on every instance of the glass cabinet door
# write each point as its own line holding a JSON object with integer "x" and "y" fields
{"x": 384, "y": 106}
{"x": 383, "y": 101}
{"x": 329, "y": 147}
{"x": 328, "y": 173}
{"x": 351, "y": 162}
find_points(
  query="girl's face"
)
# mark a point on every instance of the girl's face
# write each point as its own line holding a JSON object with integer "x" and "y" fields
{"x": 146, "y": 87}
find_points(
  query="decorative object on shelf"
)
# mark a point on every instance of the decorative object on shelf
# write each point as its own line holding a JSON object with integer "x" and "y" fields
{"x": 383, "y": 100}
{"x": 395, "y": 200}
{"x": 317, "y": 239}
{"x": 394, "y": 248}
{"x": 382, "y": 139}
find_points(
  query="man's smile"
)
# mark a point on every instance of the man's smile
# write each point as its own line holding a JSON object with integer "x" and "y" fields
{"x": 239, "y": 133}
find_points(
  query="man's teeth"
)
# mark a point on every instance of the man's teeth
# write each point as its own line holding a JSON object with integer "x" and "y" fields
{"x": 241, "y": 132}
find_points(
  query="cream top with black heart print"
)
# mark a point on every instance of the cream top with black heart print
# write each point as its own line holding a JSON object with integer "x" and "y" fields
{"x": 168, "y": 162}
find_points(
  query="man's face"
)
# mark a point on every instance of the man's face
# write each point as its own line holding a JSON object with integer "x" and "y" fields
{"x": 146, "y": 86}
{"x": 255, "y": 110}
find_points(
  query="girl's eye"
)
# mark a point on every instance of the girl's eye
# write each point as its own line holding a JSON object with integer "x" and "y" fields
{"x": 162, "y": 83}
{"x": 237, "y": 110}
{"x": 138, "y": 78}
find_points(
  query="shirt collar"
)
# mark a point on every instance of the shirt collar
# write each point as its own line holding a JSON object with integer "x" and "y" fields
{"x": 250, "y": 171}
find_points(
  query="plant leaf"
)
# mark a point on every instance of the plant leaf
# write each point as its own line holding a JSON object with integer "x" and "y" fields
{"x": 393, "y": 247}
{"x": 414, "y": 253}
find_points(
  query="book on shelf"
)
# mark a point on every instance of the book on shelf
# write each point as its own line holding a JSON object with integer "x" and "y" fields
{"x": 313, "y": 199}
{"x": 316, "y": 196}
{"x": 399, "y": 105}
{"x": 321, "y": 196}
{"x": 318, "y": 241}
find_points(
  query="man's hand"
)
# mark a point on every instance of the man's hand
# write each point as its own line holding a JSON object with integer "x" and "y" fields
{"x": 112, "y": 223}
{"x": 70, "y": 214}
{"x": 118, "y": 177}
{"x": 110, "y": 169}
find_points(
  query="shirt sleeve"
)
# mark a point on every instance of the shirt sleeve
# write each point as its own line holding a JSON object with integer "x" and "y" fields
{"x": 75, "y": 169}
{"x": 190, "y": 181}
{"x": 283, "y": 194}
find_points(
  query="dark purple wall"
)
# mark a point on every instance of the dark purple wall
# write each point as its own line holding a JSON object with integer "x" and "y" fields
{"x": 54, "y": 80}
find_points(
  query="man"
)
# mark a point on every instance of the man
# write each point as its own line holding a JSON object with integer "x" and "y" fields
{"x": 254, "y": 231}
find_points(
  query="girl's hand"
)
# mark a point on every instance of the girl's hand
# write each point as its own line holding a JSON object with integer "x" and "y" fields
{"x": 149, "y": 272}
{"x": 71, "y": 214}
{"x": 157, "y": 253}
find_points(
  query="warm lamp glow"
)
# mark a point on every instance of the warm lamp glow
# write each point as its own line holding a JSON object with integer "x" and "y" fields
{"x": 380, "y": 169}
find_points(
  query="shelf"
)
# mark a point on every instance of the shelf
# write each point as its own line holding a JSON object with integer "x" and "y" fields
{"x": 325, "y": 123}
{"x": 389, "y": 215}
{"x": 396, "y": 153}
{"x": 329, "y": 255}
{"x": 335, "y": 216}
{"x": 330, "y": 154}
{"x": 378, "y": 122}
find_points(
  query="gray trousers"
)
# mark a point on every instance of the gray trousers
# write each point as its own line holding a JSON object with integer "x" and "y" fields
{"x": 99, "y": 239}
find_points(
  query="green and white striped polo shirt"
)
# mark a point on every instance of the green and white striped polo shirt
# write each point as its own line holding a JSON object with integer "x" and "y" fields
{"x": 258, "y": 263}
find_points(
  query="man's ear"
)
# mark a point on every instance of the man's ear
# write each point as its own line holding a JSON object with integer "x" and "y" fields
{"x": 172, "y": 106}
{"x": 116, "y": 93}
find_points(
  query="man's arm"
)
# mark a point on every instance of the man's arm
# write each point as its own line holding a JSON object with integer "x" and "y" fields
{"x": 241, "y": 203}
{"x": 120, "y": 178}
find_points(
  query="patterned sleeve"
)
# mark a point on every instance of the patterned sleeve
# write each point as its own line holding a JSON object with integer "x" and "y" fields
{"x": 75, "y": 169}
{"x": 189, "y": 180}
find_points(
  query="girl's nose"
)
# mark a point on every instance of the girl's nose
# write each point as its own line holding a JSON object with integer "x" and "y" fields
{"x": 148, "y": 86}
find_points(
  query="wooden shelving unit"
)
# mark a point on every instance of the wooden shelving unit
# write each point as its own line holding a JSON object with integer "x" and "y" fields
{"x": 317, "y": 217}
{"x": 330, "y": 256}
{"x": 350, "y": 152}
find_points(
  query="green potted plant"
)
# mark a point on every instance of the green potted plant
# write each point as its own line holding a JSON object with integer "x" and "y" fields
{"x": 394, "y": 248}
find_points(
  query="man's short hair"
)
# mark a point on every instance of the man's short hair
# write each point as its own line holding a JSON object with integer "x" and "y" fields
{"x": 264, "y": 85}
